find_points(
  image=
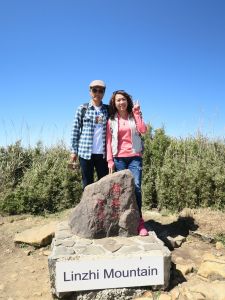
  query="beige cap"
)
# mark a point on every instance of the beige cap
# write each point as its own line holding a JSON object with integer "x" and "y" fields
{"x": 97, "y": 83}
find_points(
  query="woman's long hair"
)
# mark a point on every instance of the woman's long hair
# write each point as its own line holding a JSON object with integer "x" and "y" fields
{"x": 112, "y": 106}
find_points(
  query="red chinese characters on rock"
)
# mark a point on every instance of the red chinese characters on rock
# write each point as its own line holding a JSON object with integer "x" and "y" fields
{"x": 101, "y": 213}
{"x": 115, "y": 190}
{"x": 113, "y": 207}
{"x": 115, "y": 203}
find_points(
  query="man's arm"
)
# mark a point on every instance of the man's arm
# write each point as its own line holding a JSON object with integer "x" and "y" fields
{"x": 75, "y": 135}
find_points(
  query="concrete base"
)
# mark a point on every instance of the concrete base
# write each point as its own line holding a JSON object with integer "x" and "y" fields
{"x": 68, "y": 249}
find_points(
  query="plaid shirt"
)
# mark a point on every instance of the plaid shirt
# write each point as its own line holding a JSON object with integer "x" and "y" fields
{"x": 82, "y": 136}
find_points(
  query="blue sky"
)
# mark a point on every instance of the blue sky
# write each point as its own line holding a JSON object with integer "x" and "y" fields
{"x": 169, "y": 54}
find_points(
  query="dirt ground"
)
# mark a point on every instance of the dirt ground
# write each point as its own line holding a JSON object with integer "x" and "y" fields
{"x": 24, "y": 269}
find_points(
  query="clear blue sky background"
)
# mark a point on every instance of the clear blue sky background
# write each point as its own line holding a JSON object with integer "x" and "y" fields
{"x": 170, "y": 54}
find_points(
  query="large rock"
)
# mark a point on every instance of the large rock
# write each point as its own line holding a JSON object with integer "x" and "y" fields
{"x": 213, "y": 267}
{"x": 39, "y": 236}
{"x": 107, "y": 208}
{"x": 196, "y": 289}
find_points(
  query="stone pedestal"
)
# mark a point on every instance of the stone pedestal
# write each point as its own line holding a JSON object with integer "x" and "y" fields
{"x": 102, "y": 266}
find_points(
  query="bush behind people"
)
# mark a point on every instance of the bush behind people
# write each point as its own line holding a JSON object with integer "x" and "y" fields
{"x": 177, "y": 173}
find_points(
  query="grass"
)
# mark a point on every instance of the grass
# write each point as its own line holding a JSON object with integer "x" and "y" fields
{"x": 220, "y": 238}
{"x": 177, "y": 174}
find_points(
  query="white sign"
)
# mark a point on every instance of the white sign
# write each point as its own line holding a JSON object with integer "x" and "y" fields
{"x": 111, "y": 273}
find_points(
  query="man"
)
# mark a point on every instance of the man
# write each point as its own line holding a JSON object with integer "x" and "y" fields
{"x": 89, "y": 135}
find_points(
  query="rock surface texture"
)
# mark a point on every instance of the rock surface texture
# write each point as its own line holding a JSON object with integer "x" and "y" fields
{"x": 107, "y": 208}
{"x": 39, "y": 236}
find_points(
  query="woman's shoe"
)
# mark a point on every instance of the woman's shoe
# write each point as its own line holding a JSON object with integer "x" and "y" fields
{"x": 141, "y": 228}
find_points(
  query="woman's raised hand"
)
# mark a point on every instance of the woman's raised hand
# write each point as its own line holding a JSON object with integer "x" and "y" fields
{"x": 136, "y": 107}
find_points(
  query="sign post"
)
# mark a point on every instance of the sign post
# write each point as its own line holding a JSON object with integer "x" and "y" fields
{"x": 109, "y": 273}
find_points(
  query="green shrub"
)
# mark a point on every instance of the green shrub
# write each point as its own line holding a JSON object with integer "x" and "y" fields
{"x": 177, "y": 173}
{"x": 156, "y": 144}
{"x": 191, "y": 174}
{"x": 14, "y": 161}
{"x": 47, "y": 186}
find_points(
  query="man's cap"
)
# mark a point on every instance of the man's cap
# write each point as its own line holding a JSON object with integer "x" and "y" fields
{"x": 97, "y": 83}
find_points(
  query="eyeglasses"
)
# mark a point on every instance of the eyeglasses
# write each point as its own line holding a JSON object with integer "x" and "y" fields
{"x": 100, "y": 91}
{"x": 118, "y": 91}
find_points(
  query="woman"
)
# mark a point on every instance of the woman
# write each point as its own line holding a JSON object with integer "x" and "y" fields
{"x": 124, "y": 144}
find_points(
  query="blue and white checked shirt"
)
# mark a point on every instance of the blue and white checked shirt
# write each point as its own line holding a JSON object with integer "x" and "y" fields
{"x": 82, "y": 137}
